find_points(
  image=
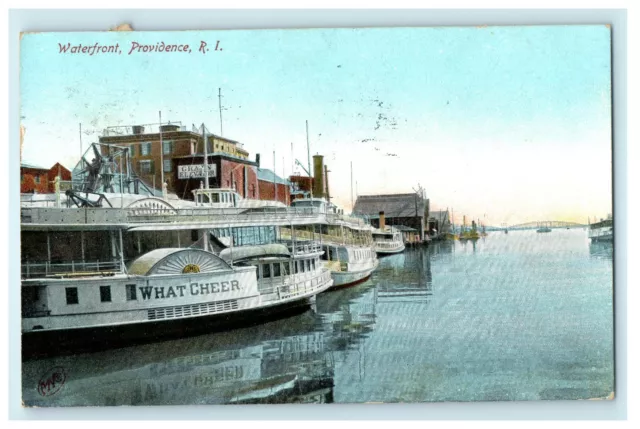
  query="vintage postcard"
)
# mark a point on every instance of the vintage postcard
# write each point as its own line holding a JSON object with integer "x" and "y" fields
{"x": 316, "y": 216}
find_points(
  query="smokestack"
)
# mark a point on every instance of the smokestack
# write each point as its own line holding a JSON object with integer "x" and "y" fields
{"x": 382, "y": 223}
{"x": 318, "y": 176}
{"x": 258, "y": 159}
{"x": 326, "y": 183}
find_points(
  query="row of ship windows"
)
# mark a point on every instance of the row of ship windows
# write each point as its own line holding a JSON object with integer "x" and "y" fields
{"x": 267, "y": 271}
{"x": 284, "y": 269}
{"x": 362, "y": 254}
{"x": 105, "y": 294}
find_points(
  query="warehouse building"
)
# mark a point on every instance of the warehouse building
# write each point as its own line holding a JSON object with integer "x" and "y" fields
{"x": 399, "y": 209}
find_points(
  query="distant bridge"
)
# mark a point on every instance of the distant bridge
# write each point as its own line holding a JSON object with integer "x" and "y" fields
{"x": 548, "y": 224}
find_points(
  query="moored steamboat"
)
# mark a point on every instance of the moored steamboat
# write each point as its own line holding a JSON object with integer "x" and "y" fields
{"x": 347, "y": 243}
{"x": 149, "y": 268}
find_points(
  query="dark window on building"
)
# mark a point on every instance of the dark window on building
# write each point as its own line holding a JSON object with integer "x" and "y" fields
{"x": 105, "y": 293}
{"x": 146, "y": 166}
{"x": 286, "y": 268}
{"x": 295, "y": 266}
{"x": 72, "y": 295}
{"x": 131, "y": 293}
{"x": 167, "y": 165}
{"x": 194, "y": 235}
{"x": 145, "y": 149}
{"x": 266, "y": 271}
{"x": 167, "y": 147}
{"x": 313, "y": 264}
{"x": 37, "y": 178}
{"x": 308, "y": 265}
{"x": 301, "y": 266}
{"x": 276, "y": 270}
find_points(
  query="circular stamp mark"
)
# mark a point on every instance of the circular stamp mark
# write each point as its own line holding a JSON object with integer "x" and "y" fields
{"x": 52, "y": 381}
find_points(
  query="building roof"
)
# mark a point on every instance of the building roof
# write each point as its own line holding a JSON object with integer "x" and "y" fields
{"x": 393, "y": 205}
{"x": 35, "y": 167}
{"x": 267, "y": 175}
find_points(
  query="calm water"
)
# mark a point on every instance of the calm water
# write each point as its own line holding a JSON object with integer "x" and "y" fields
{"x": 518, "y": 316}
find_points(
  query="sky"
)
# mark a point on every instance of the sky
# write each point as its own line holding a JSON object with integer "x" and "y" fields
{"x": 502, "y": 124}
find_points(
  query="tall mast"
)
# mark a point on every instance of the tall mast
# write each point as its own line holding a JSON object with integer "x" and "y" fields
{"x": 309, "y": 156}
{"x": 80, "y": 133}
{"x": 351, "y": 186}
{"x": 453, "y": 222}
{"x": 220, "y": 109}
{"x": 206, "y": 157}
{"x": 275, "y": 186}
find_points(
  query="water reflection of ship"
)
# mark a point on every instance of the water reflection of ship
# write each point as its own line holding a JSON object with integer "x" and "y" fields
{"x": 439, "y": 248}
{"x": 406, "y": 277}
{"x": 230, "y": 367}
{"x": 348, "y": 315}
{"x": 601, "y": 249}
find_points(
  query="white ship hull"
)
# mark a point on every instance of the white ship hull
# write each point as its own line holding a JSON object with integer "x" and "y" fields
{"x": 389, "y": 250}
{"x": 346, "y": 278}
{"x": 170, "y": 298}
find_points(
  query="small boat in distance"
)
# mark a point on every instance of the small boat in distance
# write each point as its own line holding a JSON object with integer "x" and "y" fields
{"x": 387, "y": 240}
{"x": 542, "y": 228}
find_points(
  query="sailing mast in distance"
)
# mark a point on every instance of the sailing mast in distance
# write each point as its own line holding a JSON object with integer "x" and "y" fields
{"x": 352, "y": 187}
{"x": 309, "y": 157}
{"x": 206, "y": 157}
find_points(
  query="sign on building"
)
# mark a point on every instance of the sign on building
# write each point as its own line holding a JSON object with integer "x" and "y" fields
{"x": 195, "y": 171}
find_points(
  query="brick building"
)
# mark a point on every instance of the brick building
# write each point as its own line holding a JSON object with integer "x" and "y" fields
{"x": 182, "y": 159}
{"x": 272, "y": 187}
{"x": 38, "y": 179}
{"x": 225, "y": 171}
{"x": 300, "y": 186}
{"x": 147, "y": 154}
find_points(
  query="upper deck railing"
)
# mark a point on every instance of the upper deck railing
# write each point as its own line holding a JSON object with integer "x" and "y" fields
{"x": 202, "y": 215}
{"x": 67, "y": 269}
